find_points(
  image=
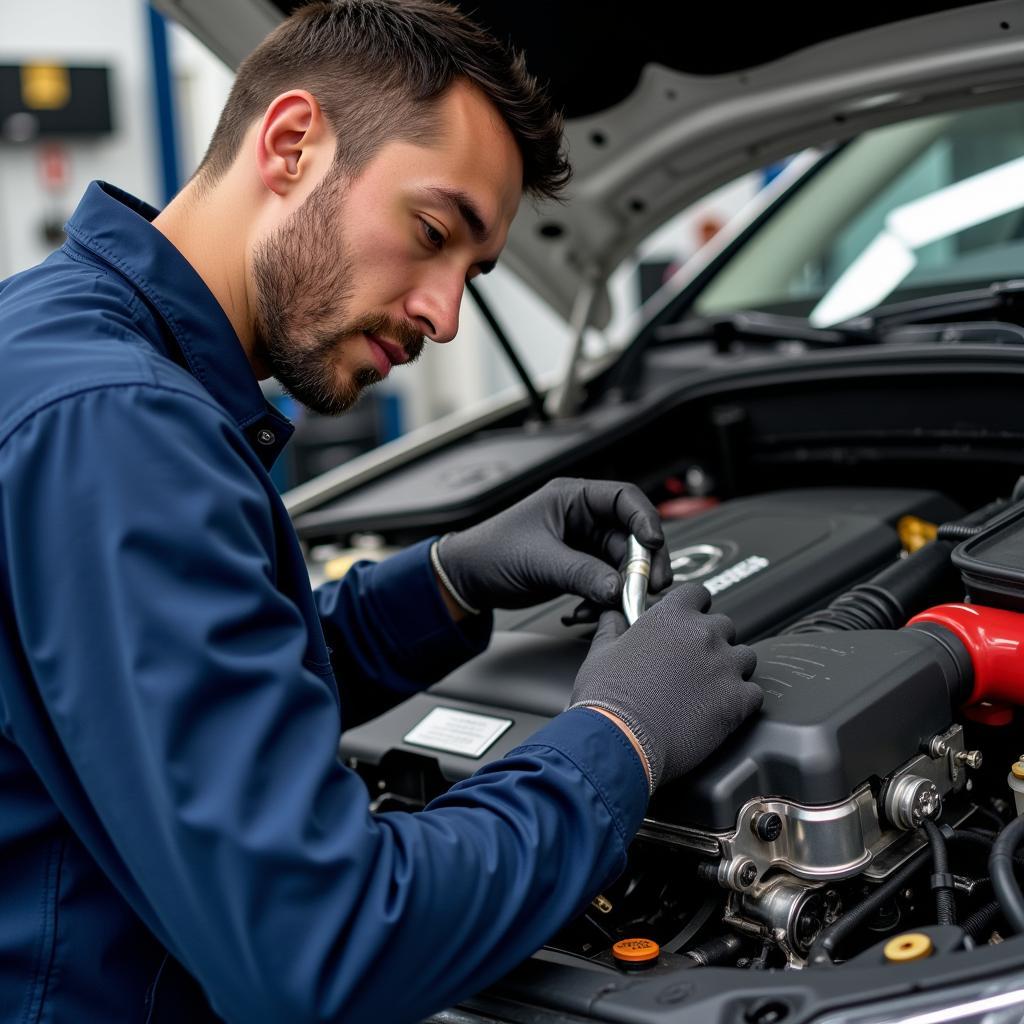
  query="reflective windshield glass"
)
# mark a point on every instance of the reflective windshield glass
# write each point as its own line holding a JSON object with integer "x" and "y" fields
{"x": 917, "y": 208}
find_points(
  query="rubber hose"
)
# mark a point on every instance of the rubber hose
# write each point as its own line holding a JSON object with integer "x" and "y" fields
{"x": 945, "y": 904}
{"x": 714, "y": 951}
{"x": 966, "y": 836}
{"x": 830, "y": 937}
{"x": 1000, "y": 867}
{"x": 890, "y": 597}
{"x": 980, "y": 923}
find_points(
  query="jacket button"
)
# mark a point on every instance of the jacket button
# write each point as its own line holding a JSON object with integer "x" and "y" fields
{"x": 266, "y": 437}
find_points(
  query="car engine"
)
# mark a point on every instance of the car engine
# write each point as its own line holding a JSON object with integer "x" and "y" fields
{"x": 890, "y": 644}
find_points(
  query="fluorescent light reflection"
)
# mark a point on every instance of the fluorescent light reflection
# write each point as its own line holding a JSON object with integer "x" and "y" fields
{"x": 890, "y": 258}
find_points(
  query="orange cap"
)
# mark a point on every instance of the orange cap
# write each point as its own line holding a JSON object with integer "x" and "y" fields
{"x": 636, "y": 951}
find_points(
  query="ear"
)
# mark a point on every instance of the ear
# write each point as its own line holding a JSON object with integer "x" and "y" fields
{"x": 292, "y": 142}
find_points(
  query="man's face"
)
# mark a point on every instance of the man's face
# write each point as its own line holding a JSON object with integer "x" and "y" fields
{"x": 370, "y": 267}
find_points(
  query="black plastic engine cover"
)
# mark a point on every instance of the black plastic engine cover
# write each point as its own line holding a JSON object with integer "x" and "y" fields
{"x": 771, "y": 558}
{"x": 815, "y": 543}
{"x": 840, "y": 709}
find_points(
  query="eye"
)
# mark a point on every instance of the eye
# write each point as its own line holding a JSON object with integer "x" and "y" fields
{"x": 434, "y": 237}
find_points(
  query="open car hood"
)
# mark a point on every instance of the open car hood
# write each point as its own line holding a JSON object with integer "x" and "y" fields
{"x": 664, "y": 104}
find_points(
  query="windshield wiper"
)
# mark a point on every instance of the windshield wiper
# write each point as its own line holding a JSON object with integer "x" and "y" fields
{"x": 960, "y": 332}
{"x": 754, "y": 326}
{"x": 998, "y": 297}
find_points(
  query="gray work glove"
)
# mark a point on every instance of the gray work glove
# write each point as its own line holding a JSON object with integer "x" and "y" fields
{"x": 567, "y": 538}
{"x": 673, "y": 677}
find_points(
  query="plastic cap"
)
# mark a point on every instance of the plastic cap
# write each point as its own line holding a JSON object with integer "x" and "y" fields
{"x": 636, "y": 951}
{"x": 907, "y": 947}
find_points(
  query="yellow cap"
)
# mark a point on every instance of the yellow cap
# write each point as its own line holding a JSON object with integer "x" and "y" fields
{"x": 907, "y": 947}
{"x": 1018, "y": 770}
{"x": 636, "y": 951}
{"x": 914, "y": 533}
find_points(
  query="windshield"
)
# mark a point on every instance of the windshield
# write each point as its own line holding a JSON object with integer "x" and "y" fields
{"x": 919, "y": 208}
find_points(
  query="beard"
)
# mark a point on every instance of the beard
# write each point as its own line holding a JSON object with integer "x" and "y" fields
{"x": 303, "y": 274}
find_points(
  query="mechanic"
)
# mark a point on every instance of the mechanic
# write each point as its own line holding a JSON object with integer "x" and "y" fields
{"x": 178, "y": 840}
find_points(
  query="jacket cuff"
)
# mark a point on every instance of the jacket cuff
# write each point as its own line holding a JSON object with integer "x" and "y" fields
{"x": 605, "y": 756}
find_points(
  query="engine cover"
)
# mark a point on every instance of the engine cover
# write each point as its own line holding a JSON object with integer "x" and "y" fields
{"x": 840, "y": 709}
{"x": 854, "y": 708}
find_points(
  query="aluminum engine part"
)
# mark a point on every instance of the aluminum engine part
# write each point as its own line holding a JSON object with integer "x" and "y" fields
{"x": 910, "y": 800}
{"x": 790, "y": 912}
{"x": 830, "y": 842}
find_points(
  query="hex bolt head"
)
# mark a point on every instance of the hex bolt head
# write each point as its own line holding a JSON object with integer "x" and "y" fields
{"x": 767, "y": 826}
{"x": 747, "y": 874}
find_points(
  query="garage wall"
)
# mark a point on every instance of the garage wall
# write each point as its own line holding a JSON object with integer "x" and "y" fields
{"x": 114, "y": 33}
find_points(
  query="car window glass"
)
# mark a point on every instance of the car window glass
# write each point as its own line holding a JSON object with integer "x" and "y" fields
{"x": 915, "y": 208}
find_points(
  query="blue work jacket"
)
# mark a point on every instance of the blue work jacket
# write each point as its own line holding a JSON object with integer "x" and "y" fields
{"x": 178, "y": 839}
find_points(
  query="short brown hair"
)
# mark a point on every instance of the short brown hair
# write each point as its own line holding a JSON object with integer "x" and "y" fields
{"x": 375, "y": 67}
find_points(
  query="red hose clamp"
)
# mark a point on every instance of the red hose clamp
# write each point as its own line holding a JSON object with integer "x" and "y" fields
{"x": 994, "y": 638}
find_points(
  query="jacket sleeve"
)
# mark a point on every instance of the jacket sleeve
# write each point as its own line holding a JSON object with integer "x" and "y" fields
{"x": 195, "y": 754}
{"x": 390, "y": 633}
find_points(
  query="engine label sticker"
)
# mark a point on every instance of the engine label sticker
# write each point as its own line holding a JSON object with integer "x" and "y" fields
{"x": 737, "y": 573}
{"x": 457, "y": 732}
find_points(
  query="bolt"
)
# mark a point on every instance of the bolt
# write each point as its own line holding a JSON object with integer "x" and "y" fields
{"x": 938, "y": 747}
{"x": 971, "y": 758}
{"x": 747, "y": 874}
{"x": 767, "y": 1013}
{"x": 767, "y": 826}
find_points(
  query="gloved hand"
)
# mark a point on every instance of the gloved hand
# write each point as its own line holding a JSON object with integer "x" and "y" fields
{"x": 673, "y": 677}
{"x": 568, "y": 537}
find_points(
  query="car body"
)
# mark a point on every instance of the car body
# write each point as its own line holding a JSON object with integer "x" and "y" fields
{"x": 839, "y": 368}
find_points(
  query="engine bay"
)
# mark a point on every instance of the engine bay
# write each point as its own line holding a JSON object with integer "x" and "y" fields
{"x": 862, "y": 801}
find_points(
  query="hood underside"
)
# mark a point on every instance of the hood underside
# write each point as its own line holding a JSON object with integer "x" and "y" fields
{"x": 664, "y": 104}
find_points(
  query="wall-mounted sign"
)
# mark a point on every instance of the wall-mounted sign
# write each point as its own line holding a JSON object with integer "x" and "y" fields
{"x": 42, "y": 99}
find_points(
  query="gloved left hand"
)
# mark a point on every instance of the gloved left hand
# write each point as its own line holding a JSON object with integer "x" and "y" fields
{"x": 568, "y": 537}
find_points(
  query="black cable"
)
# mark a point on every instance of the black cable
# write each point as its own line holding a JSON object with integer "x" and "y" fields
{"x": 942, "y": 880}
{"x": 1000, "y": 867}
{"x": 973, "y": 523}
{"x": 698, "y": 919}
{"x": 980, "y": 923}
{"x": 981, "y": 839}
{"x": 987, "y": 812}
{"x": 825, "y": 944}
{"x": 958, "y": 531}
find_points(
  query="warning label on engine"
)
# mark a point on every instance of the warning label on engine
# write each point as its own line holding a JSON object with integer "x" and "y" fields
{"x": 736, "y": 573}
{"x": 457, "y": 732}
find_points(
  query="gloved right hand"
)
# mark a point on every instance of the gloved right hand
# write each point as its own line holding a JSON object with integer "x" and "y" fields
{"x": 673, "y": 677}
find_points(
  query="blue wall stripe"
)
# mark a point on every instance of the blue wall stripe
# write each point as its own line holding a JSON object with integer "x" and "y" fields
{"x": 170, "y": 168}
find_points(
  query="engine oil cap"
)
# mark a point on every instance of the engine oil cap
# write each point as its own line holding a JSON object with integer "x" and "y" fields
{"x": 907, "y": 947}
{"x": 636, "y": 954}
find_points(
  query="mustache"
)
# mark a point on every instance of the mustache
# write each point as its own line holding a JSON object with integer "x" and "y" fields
{"x": 403, "y": 332}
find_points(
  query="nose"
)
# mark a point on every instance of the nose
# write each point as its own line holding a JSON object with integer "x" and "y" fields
{"x": 435, "y": 307}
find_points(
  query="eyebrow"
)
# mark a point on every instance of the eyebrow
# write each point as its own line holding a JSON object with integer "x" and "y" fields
{"x": 460, "y": 203}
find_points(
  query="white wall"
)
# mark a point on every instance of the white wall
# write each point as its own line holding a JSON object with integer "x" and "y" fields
{"x": 114, "y": 33}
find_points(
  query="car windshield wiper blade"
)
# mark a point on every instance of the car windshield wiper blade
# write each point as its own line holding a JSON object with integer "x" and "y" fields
{"x": 1000, "y": 296}
{"x": 958, "y": 332}
{"x": 752, "y": 325}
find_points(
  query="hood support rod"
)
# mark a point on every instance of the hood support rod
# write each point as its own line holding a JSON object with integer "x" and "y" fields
{"x": 536, "y": 402}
